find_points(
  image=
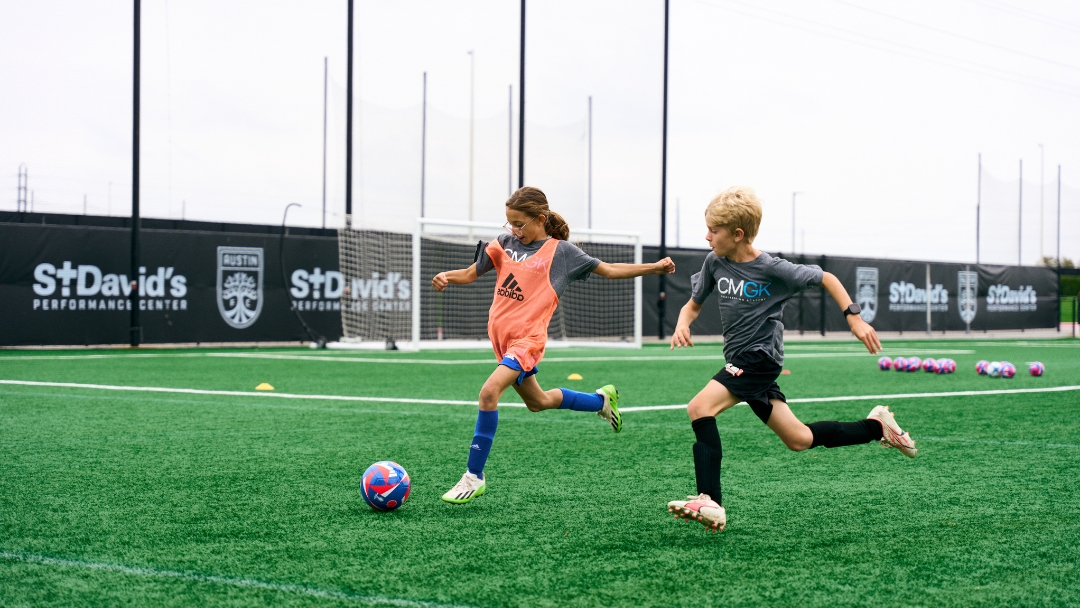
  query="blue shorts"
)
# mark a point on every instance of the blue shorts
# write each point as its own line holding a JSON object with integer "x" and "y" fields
{"x": 513, "y": 364}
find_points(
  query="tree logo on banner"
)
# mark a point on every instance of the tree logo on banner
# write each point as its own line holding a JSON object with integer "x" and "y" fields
{"x": 866, "y": 288}
{"x": 240, "y": 285}
{"x": 968, "y": 294}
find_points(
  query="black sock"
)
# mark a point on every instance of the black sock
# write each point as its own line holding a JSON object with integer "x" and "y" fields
{"x": 832, "y": 434}
{"x": 707, "y": 456}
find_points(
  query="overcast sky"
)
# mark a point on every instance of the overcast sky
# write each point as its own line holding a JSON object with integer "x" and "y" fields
{"x": 875, "y": 111}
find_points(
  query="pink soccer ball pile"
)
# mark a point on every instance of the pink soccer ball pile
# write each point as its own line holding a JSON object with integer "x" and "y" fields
{"x": 1036, "y": 368}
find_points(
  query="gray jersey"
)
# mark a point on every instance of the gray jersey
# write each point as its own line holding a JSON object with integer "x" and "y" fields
{"x": 752, "y": 296}
{"x": 567, "y": 265}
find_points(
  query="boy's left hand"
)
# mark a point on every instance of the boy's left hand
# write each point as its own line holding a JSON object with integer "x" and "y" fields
{"x": 665, "y": 266}
{"x": 865, "y": 333}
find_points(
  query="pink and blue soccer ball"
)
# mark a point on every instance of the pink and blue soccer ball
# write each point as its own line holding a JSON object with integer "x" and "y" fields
{"x": 941, "y": 366}
{"x": 993, "y": 369}
{"x": 1036, "y": 369}
{"x": 913, "y": 364}
{"x": 952, "y": 366}
{"x": 980, "y": 367}
{"x": 900, "y": 364}
{"x": 1008, "y": 370}
{"x": 947, "y": 366}
{"x": 928, "y": 365}
{"x": 884, "y": 363}
{"x": 385, "y": 486}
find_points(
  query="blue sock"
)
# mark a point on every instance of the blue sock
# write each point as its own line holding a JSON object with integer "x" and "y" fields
{"x": 486, "y": 423}
{"x": 581, "y": 402}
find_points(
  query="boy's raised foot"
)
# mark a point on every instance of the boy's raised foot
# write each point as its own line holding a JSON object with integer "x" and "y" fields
{"x": 610, "y": 411}
{"x": 465, "y": 490}
{"x": 700, "y": 508}
{"x": 892, "y": 436}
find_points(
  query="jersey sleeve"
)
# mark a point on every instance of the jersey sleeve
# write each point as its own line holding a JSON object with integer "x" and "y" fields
{"x": 484, "y": 261}
{"x": 577, "y": 264}
{"x": 797, "y": 276}
{"x": 703, "y": 283}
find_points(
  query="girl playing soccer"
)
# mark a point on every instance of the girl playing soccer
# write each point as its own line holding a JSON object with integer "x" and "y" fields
{"x": 535, "y": 262}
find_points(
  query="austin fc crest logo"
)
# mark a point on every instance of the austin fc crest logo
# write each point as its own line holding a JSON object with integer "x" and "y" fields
{"x": 968, "y": 294}
{"x": 240, "y": 285}
{"x": 866, "y": 288}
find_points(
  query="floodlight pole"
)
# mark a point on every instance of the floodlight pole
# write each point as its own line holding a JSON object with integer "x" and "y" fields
{"x": 1020, "y": 220}
{"x": 521, "y": 105}
{"x": 133, "y": 302}
{"x": 661, "y": 304}
{"x": 348, "y": 124}
{"x": 325, "y": 81}
{"x": 978, "y": 211}
{"x": 423, "y": 147}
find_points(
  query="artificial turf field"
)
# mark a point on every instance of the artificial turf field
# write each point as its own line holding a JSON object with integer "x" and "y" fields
{"x": 167, "y": 498}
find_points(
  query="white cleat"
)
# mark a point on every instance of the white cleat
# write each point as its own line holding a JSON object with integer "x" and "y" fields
{"x": 465, "y": 490}
{"x": 700, "y": 508}
{"x": 892, "y": 436}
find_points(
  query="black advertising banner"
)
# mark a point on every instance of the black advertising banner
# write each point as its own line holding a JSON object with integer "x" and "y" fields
{"x": 893, "y": 295}
{"x": 70, "y": 285}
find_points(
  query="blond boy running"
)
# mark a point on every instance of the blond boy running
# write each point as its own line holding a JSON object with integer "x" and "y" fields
{"x": 752, "y": 287}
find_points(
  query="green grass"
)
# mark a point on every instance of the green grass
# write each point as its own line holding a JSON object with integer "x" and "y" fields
{"x": 141, "y": 498}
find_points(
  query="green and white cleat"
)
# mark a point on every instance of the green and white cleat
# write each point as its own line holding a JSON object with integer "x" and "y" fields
{"x": 610, "y": 411}
{"x": 465, "y": 490}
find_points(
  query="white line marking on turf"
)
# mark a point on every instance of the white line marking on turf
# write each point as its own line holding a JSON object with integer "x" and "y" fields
{"x": 197, "y": 391}
{"x": 999, "y": 442}
{"x": 642, "y": 408}
{"x": 246, "y": 583}
{"x": 1006, "y": 391}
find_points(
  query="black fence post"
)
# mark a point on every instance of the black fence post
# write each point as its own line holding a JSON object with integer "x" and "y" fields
{"x": 823, "y": 299}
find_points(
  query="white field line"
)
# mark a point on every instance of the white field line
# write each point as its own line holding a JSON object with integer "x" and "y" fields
{"x": 1005, "y": 391}
{"x": 642, "y": 408}
{"x": 245, "y": 583}
{"x": 1000, "y": 442}
{"x": 485, "y": 361}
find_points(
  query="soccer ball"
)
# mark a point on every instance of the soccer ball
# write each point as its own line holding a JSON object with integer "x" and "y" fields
{"x": 385, "y": 486}
{"x": 1036, "y": 369}
{"x": 948, "y": 366}
{"x": 980, "y": 367}
{"x": 993, "y": 369}
{"x": 941, "y": 366}
{"x": 928, "y": 365}
{"x": 1008, "y": 370}
{"x": 913, "y": 364}
{"x": 884, "y": 363}
{"x": 900, "y": 364}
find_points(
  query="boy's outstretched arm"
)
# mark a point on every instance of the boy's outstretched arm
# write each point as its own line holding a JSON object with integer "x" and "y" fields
{"x": 681, "y": 336}
{"x": 629, "y": 271}
{"x": 860, "y": 328}
{"x": 463, "y": 276}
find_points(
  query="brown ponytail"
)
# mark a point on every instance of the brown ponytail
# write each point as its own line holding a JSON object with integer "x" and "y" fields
{"x": 533, "y": 203}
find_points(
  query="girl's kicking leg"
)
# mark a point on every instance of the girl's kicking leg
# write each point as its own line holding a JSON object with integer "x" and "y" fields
{"x": 472, "y": 483}
{"x": 605, "y": 401}
{"x": 878, "y": 426}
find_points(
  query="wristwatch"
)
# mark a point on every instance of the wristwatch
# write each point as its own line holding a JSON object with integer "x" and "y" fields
{"x": 852, "y": 309}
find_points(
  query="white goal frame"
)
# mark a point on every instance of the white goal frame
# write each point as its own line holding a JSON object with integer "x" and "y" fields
{"x": 631, "y": 238}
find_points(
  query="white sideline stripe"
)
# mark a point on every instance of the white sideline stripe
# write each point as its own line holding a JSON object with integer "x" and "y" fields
{"x": 1000, "y": 442}
{"x": 197, "y": 391}
{"x": 487, "y": 361}
{"x": 245, "y": 583}
{"x": 641, "y": 408}
{"x": 1006, "y": 391}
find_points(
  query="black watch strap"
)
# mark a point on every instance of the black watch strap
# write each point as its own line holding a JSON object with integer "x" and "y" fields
{"x": 852, "y": 309}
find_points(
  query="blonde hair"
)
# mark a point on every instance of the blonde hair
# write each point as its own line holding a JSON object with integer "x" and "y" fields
{"x": 533, "y": 203}
{"x": 736, "y": 207}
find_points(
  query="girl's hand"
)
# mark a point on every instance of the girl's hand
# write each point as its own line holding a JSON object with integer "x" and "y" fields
{"x": 439, "y": 282}
{"x": 865, "y": 333}
{"x": 681, "y": 337}
{"x": 665, "y": 266}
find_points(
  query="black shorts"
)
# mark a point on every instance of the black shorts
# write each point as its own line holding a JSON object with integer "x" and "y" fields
{"x": 751, "y": 377}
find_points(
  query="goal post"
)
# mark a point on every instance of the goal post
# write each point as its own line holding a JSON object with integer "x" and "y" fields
{"x": 598, "y": 312}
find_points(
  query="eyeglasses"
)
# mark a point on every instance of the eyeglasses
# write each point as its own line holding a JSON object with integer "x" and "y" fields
{"x": 512, "y": 229}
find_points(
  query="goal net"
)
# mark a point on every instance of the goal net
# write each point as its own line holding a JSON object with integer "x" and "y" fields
{"x": 382, "y": 302}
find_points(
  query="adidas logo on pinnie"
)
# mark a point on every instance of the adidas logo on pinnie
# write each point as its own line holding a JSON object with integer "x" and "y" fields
{"x": 510, "y": 289}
